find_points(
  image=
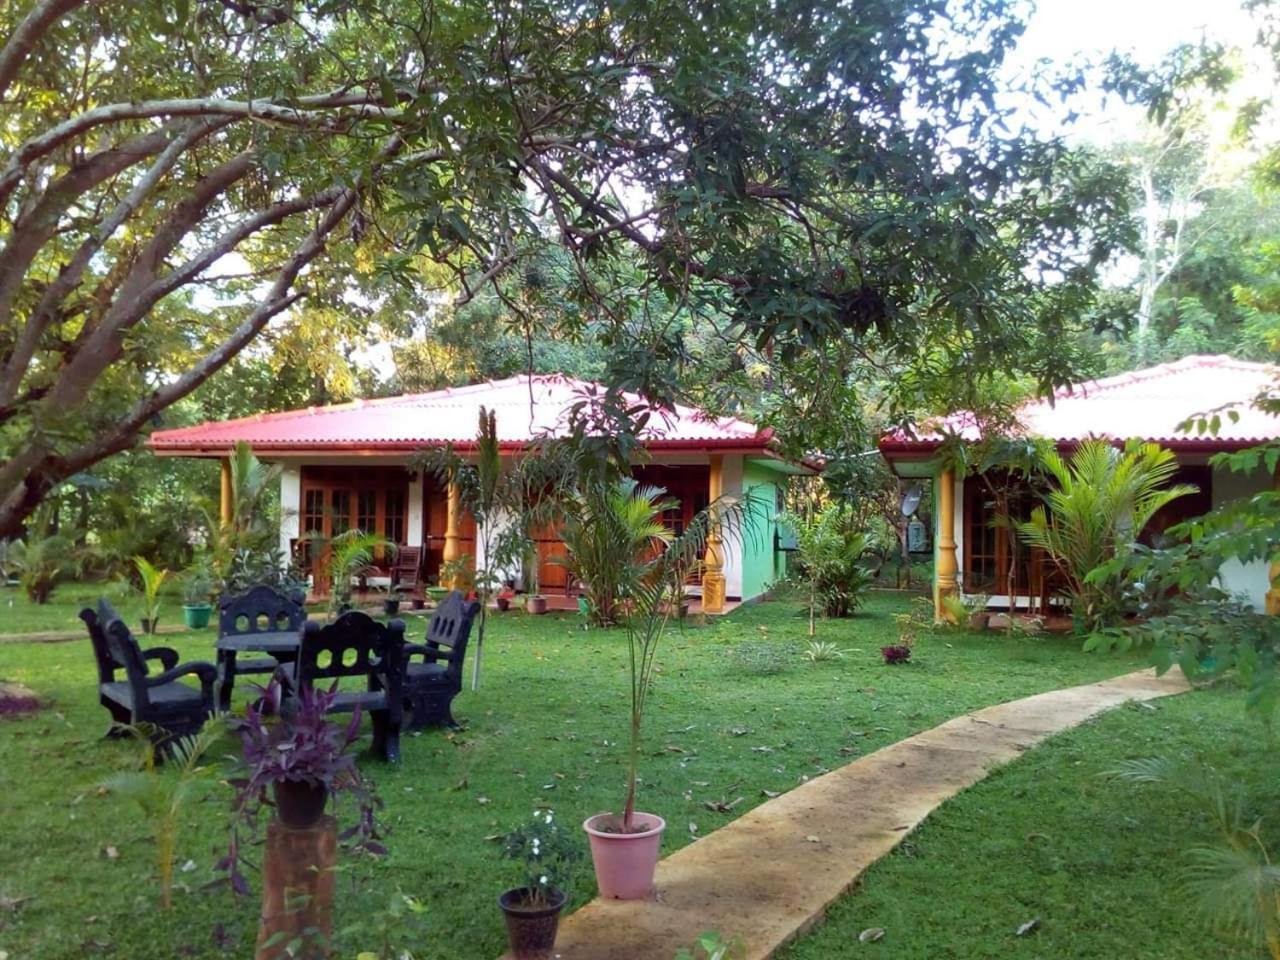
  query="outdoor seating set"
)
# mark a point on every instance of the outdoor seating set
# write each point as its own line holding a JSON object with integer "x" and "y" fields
{"x": 398, "y": 677}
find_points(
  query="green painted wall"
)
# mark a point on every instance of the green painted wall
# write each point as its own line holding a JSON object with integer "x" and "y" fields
{"x": 762, "y": 565}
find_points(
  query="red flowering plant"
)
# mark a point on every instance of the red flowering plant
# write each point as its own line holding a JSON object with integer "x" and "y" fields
{"x": 295, "y": 741}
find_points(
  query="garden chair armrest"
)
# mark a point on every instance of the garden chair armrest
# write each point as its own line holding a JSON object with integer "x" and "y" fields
{"x": 429, "y": 654}
{"x": 167, "y": 656}
{"x": 207, "y": 673}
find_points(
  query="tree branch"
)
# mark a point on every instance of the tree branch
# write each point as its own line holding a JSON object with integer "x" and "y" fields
{"x": 28, "y": 33}
{"x": 300, "y": 113}
{"x": 70, "y": 275}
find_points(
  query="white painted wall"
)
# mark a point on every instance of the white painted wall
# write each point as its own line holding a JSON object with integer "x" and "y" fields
{"x": 1250, "y": 579}
{"x": 414, "y": 513}
{"x": 731, "y": 486}
{"x": 290, "y": 505}
{"x": 503, "y": 521}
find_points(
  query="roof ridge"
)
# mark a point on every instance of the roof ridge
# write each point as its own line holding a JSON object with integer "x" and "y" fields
{"x": 1142, "y": 375}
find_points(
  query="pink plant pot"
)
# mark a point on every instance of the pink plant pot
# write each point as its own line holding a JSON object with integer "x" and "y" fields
{"x": 625, "y": 862}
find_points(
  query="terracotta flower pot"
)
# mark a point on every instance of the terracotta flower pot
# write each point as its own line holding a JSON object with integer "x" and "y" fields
{"x": 390, "y": 607}
{"x": 625, "y": 862}
{"x": 299, "y": 804}
{"x": 504, "y": 603}
{"x": 536, "y": 603}
{"x": 531, "y": 929}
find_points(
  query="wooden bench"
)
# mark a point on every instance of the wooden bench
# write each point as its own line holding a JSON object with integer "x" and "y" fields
{"x": 431, "y": 683}
{"x": 174, "y": 708}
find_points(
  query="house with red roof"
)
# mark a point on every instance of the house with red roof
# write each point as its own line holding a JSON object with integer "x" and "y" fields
{"x": 971, "y": 554}
{"x": 348, "y": 466}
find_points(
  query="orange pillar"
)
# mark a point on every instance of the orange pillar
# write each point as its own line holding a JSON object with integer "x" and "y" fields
{"x": 713, "y": 562}
{"x": 453, "y": 532}
{"x": 225, "y": 501}
{"x": 945, "y": 583}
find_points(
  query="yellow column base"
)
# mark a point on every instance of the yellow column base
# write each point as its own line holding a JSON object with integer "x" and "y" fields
{"x": 713, "y": 593}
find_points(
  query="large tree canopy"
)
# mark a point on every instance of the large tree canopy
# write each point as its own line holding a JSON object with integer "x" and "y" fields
{"x": 178, "y": 177}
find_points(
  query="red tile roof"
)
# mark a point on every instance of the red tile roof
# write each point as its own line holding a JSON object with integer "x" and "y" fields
{"x": 1148, "y": 404}
{"x": 526, "y": 408}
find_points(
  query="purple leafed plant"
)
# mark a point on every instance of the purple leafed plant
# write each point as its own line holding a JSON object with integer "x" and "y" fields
{"x": 300, "y": 744}
{"x": 896, "y": 653}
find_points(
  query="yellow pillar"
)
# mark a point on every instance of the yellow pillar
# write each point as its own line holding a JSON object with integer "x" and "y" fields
{"x": 452, "y": 531}
{"x": 1273, "y": 592}
{"x": 225, "y": 505}
{"x": 713, "y": 569}
{"x": 944, "y": 580}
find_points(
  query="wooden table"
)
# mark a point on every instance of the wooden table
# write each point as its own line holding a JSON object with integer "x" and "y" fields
{"x": 282, "y": 645}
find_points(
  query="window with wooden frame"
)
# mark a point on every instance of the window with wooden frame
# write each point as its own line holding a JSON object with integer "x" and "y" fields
{"x": 993, "y": 552}
{"x": 373, "y": 499}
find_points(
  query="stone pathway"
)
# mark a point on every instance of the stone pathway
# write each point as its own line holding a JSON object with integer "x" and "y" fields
{"x": 769, "y": 875}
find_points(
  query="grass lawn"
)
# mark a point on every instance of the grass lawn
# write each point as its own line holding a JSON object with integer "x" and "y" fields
{"x": 736, "y": 711}
{"x": 1051, "y": 838}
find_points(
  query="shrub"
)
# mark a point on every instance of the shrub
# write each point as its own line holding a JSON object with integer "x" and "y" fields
{"x": 834, "y": 564}
{"x": 1101, "y": 500}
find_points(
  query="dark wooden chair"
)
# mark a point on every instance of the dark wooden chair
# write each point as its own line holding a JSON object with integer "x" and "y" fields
{"x": 261, "y": 610}
{"x": 174, "y": 708}
{"x": 356, "y": 645}
{"x": 431, "y": 683}
{"x": 406, "y": 574}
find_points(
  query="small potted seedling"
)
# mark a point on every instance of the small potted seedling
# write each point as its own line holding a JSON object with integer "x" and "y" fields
{"x": 197, "y": 588}
{"x": 152, "y": 580}
{"x": 391, "y": 603}
{"x": 544, "y": 854}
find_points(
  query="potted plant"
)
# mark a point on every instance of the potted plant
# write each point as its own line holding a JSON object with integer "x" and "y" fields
{"x": 504, "y": 598}
{"x": 197, "y": 588}
{"x": 152, "y": 580}
{"x": 624, "y": 849}
{"x": 301, "y": 758}
{"x": 544, "y": 854}
{"x": 391, "y": 603}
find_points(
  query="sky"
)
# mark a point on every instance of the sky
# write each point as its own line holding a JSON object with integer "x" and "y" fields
{"x": 1068, "y": 30}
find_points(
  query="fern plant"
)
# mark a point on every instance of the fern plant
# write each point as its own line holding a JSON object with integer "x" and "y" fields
{"x": 162, "y": 793}
{"x": 1236, "y": 884}
{"x": 1099, "y": 502}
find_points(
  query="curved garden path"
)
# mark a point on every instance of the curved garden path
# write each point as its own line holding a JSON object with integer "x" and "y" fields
{"x": 771, "y": 874}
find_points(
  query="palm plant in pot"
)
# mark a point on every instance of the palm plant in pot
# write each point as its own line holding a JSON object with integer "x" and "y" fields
{"x": 302, "y": 758}
{"x": 624, "y": 848}
{"x": 544, "y": 854}
{"x": 152, "y": 580}
{"x": 197, "y": 588}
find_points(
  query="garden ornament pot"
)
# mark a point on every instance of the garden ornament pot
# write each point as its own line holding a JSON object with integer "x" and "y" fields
{"x": 300, "y": 803}
{"x": 625, "y": 862}
{"x": 536, "y": 603}
{"x": 531, "y": 930}
{"x": 196, "y": 615}
{"x": 390, "y": 607}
